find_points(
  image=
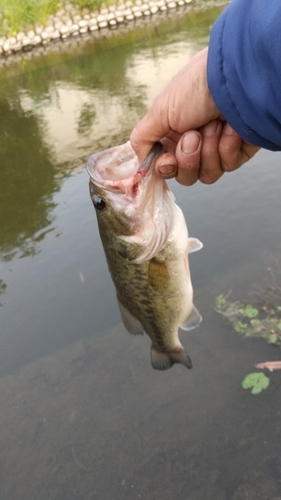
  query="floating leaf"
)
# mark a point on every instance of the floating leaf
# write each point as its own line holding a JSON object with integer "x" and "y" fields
{"x": 256, "y": 381}
{"x": 255, "y": 322}
{"x": 220, "y": 301}
{"x": 251, "y": 312}
{"x": 240, "y": 327}
{"x": 272, "y": 338}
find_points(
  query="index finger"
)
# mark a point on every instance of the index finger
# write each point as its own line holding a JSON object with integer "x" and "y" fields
{"x": 152, "y": 128}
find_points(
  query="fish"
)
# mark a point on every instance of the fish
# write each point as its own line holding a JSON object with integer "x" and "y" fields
{"x": 270, "y": 365}
{"x": 146, "y": 244}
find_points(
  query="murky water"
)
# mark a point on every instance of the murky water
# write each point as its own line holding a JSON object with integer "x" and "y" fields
{"x": 83, "y": 414}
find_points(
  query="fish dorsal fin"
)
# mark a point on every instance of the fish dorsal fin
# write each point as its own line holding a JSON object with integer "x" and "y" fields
{"x": 161, "y": 360}
{"x": 194, "y": 245}
{"x": 132, "y": 324}
{"x": 192, "y": 321}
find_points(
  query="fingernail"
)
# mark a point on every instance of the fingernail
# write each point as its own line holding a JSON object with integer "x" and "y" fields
{"x": 167, "y": 169}
{"x": 228, "y": 130}
{"x": 190, "y": 142}
{"x": 210, "y": 129}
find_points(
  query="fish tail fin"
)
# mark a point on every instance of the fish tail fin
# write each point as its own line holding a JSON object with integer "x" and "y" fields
{"x": 162, "y": 360}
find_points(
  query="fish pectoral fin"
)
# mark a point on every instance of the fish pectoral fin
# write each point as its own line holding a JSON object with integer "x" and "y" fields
{"x": 162, "y": 360}
{"x": 192, "y": 321}
{"x": 158, "y": 273}
{"x": 194, "y": 245}
{"x": 132, "y": 324}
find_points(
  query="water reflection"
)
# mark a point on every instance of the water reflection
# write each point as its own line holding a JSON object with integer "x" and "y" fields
{"x": 27, "y": 179}
{"x": 57, "y": 114}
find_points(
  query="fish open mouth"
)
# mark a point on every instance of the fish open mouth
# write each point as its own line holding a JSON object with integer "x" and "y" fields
{"x": 116, "y": 169}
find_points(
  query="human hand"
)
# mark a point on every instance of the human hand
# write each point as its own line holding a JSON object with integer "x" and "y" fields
{"x": 204, "y": 154}
{"x": 198, "y": 144}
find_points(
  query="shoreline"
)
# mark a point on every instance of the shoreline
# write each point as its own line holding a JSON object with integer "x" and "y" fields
{"x": 69, "y": 23}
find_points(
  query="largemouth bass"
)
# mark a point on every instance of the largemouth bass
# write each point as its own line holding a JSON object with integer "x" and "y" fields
{"x": 146, "y": 243}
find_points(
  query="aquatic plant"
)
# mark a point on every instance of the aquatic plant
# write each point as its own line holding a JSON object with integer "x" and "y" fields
{"x": 256, "y": 381}
{"x": 252, "y": 321}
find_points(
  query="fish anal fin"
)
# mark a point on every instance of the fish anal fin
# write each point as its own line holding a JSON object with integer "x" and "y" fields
{"x": 132, "y": 324}
{"x": 192, "y": 321}
{"x": 158, "y": 273}
{"x": 162, "y": 360}
{"x": 194, "y": 245}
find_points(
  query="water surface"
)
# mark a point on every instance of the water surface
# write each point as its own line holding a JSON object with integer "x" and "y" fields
{"x": 83, "y": 414}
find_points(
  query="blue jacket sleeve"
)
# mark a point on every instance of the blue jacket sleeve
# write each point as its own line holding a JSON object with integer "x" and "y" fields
{"x": 244, "y": 70}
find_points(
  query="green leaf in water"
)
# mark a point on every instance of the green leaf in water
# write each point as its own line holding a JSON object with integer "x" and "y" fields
{"x": 220, "y": 301}
{"x": 279, "y": 326}
{"x": 240, "y": 327}
{"x": 255, "y": 323}
{"x": 272, "y": 338}
{"x": 256, "y": 381}
{"x": 251, "y": 312}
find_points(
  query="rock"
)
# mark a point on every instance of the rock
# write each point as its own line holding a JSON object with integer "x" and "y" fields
{"x": 101, "y": 19}
{"x": 83, "y": 24}
{"x": 26, "y": 44}
{"x": 55, "y": 36}
{"x": 37, "y": 40}
{"x": 76, "y": 18}
{"x": 64, "y": 31}
{"x": 93, "y": 27}
{"x": 6, "y": 47}
{"x": 60, "y": 13}
{"x": 20, "y": 36}
{"x": 49, "y": 29}
{"x": 154, "y": 9}
{"x": 39, "y": 30}
{"x": 112, "y": 23}
{"x": 102, "y": 24}
{"x": 128, "y": 12}
{"x": 45, "y": 36}
{"x": 30, "y": 34}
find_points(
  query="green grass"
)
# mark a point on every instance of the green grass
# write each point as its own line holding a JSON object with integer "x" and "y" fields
{"x": 17, "y": 15}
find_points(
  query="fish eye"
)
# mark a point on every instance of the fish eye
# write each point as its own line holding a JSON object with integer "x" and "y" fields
{"x": 98, "y": 202}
